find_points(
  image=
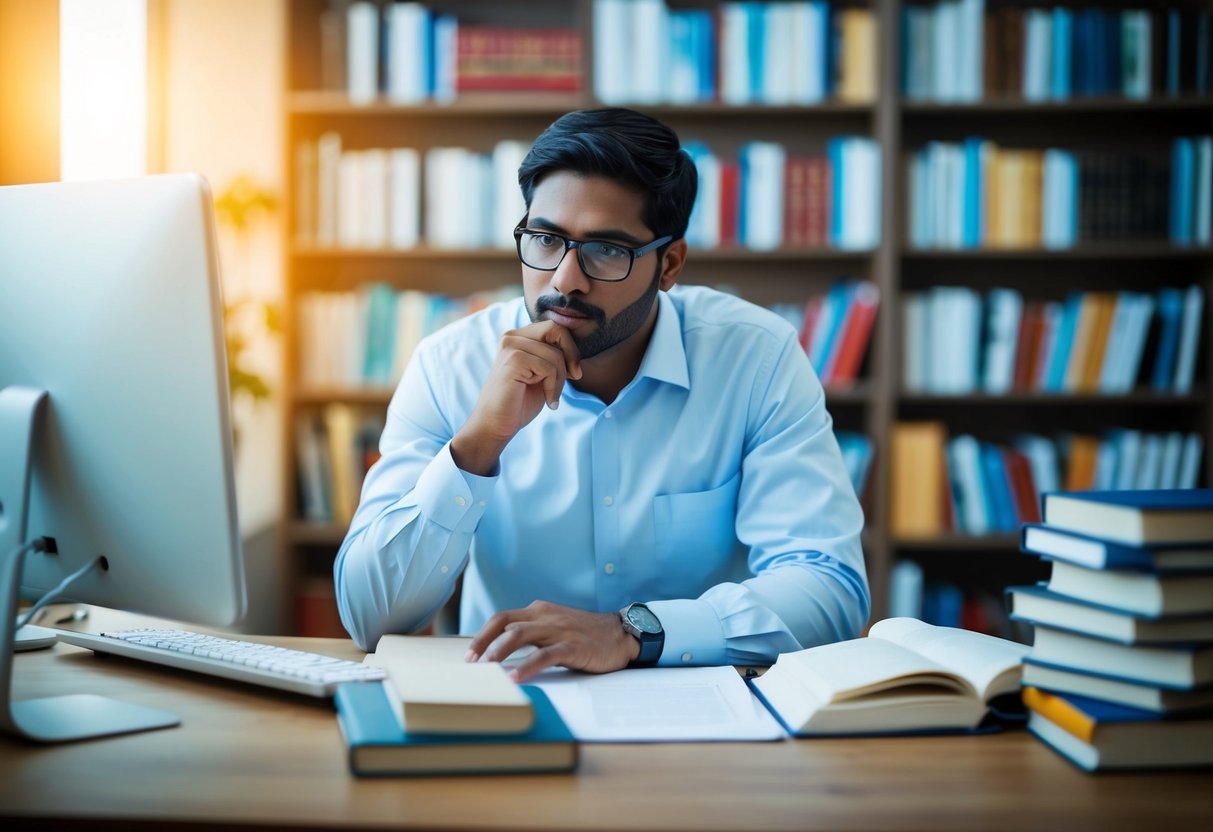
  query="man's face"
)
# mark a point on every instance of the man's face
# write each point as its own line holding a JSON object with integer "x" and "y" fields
{"x": 599, "y": 315}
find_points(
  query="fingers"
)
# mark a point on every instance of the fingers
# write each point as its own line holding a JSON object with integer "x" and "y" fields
{"x": 562, "y": 339}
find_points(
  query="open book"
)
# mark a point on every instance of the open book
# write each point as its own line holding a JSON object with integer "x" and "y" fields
{"x": 905, "y": 677}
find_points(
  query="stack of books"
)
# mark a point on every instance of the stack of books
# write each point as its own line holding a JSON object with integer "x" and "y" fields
{"x": 1120, "y": 674}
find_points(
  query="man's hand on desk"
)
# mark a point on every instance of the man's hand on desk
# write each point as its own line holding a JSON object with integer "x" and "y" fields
{"x": 593, "y": 642}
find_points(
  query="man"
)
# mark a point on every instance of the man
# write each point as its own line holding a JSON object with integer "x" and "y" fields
{"x": 623, "y": 474}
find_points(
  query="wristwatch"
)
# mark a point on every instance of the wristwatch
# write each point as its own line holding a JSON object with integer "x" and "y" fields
{"x": 640, "y": 622}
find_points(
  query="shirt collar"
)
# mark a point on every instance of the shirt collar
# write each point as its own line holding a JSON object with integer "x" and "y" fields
{"x": 666, "y": 357}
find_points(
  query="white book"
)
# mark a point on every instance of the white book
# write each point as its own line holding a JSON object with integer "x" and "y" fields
{"x": 1168, "y": 467}
{"x": 762, "y": 165}
{"x": 964, "y": 465}
{"x": 441, "y": 212}
{"x": 813, "y": 27}
{"x": 1128, "y": 454}
{"x": 408, "y": 54}
{"x": 905, "y": 590}
{"x": 374, "y": 181}
{"x": 350, "y": 203}
{"x": 328, "y": 186}
{"x": 446, "y": 54}
{"x": 1115, "y": 352}
{"x": 914, "y": 337}
{"x": 1048, "y": 342}
{"x": 735, "y": 83}
{"x": 412, "y": 307}
{"x": 971, "y": 19}
{"x": 647, "y": 51}
{"x": 1145, "y": 306}
{"x": 920, "y": 215}
{"x": 508, "y": 204}
{"x": 860, "y": 181}
{"x": 1038, "y": 38}
{"x": 944, "y": 37}
{"x": 1189, "y": 338}
{"x": 1149, "y": 468}
{"x": 1004, "y": 310}
{"x": 777, "y": 54}
{"x": 1057, "y": 229}
{"x": 1189, "y": 461}
{"x": 703, "y": 229}
{"x": 1042, "y": 458}
{"x": 612, "y": 40}
{"x": 404, "y": 212}
{"x": 362, "y": 52}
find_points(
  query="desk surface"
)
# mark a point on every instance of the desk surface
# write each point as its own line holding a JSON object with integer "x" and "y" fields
{"x": 248, "y": 756}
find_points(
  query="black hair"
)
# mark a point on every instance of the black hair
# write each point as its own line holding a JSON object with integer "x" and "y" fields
{"x": 628, "y": 147}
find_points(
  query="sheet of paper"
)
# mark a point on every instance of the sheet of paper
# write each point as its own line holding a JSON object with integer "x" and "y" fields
{"x": 659, "y": 704}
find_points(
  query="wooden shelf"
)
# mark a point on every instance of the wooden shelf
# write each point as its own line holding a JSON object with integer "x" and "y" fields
{"x": 958, "y": 543}
{"x": 1064, "y": 109}
{"x": 1143, "y": 398}
{"x": 1152, "y": 250}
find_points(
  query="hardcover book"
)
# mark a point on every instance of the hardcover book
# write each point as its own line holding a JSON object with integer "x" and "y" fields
{"x": 1098, "y": 735}
{"x": 1040, "y": 605}
{"x": 1145, "y": 696}
{"x": 1140, "y": 593}
{"x": 1096, "y": 553}
{"x": 1176, "y": 666}
{"x": 904, "y": 677}
{"x": 1137, "y": 518}
{"x": 379, "y": 746}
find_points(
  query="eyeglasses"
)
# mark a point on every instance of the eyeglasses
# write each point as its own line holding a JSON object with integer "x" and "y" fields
{"x": 599, "y": 259}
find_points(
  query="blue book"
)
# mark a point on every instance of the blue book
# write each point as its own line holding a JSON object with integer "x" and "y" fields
{"x": 1097, "y": 735}
{"x": 1055, "y": 373}
{"x": 1134, "y": 517}
{"x": 1171, "y": 666}
{"x": 1040, "y": 605}
{"x": 1063, "y": 37}
{"x": 1170, "y": 318}
{"x": 1000, "y": 503}
{"x": 1096, "y": 553}
{"x": 379, "y": 747}
{"x": 973, "y": 213}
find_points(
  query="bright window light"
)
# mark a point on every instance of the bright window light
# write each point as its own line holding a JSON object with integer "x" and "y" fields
{"x": 103, "y": 99}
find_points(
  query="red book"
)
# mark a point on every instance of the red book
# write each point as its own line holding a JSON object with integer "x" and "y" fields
{"x": 856, "y": 333}
{"x": 812, "y": 311}
{"x": 1023, "y": 487}
{"x": 1027, "y": 346}
{"x": 730, "y": 202}
{"x": 817, "y": 201}
{"x": 796, "y": 202}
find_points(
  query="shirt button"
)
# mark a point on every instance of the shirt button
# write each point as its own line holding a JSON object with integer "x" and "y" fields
{"x": 686, "y": 657}
{"x": 483, "y": 503}
{"x": 606, "y": 415}
{"x": 444, "y": 569}
{"x": 460, "y": 501}
{"x": 609, "y": 569}
{"x": 608, "y": 501}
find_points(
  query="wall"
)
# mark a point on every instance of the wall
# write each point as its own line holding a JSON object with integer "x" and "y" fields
{"x": 221, "y": 105}
{"x": 29, "y": 91}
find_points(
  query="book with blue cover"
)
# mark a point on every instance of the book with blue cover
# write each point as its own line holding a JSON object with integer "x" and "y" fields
{"x": 379, "y": 747}
{"x": 1096, "y": 735}
{"x": 1040, "y": 605}
{"x": 1133, "y": 517}
{"x": 1096, "y": 553}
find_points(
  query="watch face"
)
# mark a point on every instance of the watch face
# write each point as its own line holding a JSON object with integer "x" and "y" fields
{"x": 642, "y": 619}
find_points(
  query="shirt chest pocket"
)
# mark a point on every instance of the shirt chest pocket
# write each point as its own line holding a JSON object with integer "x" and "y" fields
{"x": 694, "y": 532}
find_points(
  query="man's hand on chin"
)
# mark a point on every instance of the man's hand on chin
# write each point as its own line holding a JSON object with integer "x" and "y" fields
{"x": 594, "y": 642}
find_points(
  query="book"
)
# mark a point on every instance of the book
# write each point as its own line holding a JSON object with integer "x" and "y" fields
{"x": 1147, "y": 697}
{"x": 906, "y": 676}
{"x": 921, "y": 501}
{"x": 1133, "y": 517}
{"x": 1141, "y": 593}
{"x": 1098, "y": 735}
{"x": 1041, "y": 605}
{"x": 1097, "y": 553}
{"x": 1181, "y": 667}
{"x": 379, "y": 746}
{"x": 433, "y": 690}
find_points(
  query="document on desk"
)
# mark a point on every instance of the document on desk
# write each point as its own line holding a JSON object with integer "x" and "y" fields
{"x": 659, "y": 704}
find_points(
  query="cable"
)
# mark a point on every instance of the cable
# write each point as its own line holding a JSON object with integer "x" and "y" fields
{"x": 58, "y": 590}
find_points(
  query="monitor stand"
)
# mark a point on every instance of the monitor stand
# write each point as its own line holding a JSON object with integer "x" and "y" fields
{"x": 56, "y": 718}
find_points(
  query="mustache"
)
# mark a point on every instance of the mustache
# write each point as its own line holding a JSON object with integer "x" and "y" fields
{"x": 559, "y": 301}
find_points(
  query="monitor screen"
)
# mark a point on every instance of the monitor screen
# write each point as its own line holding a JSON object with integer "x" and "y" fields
{"x": 110, "y": 302}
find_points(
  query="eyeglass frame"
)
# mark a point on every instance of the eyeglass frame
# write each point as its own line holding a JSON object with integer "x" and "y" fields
{"x": 570, "y": 243}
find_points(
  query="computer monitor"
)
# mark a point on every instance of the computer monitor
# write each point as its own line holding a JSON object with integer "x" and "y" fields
{"x": 115, "y": 434}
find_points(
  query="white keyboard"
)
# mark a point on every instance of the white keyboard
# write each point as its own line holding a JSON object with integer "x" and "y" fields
{"x": 297, "y": 671}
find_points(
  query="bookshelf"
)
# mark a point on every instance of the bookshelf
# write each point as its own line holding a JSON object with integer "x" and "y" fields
{"x": 787, "y": 275}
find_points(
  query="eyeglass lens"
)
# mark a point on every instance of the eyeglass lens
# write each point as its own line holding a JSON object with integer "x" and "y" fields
{"x": 599, "y": 259}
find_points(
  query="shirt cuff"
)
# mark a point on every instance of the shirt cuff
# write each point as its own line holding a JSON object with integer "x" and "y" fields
{"x": 450, "y": 496}
{"x": 693, "y": 635}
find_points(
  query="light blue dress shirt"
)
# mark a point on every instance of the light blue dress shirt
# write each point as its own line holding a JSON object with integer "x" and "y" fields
{"x": 712, "y": 489}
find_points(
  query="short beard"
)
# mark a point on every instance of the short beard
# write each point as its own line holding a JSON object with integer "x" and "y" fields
{"x": 610, "y": 332}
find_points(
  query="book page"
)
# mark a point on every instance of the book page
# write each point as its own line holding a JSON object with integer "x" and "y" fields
{"x": 992, "y": 665}
{"x": 659, "y": 704}
{"x": 432, "y": 669}
{"x": 846, "y": 670}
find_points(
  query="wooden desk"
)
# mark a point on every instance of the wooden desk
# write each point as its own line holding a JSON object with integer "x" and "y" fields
{"x": 245, "y": 756}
